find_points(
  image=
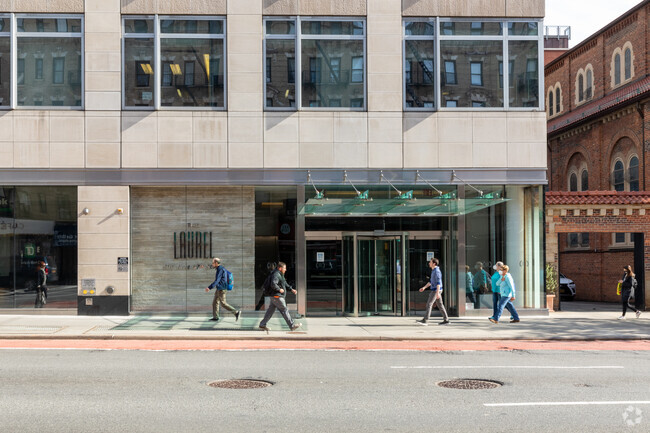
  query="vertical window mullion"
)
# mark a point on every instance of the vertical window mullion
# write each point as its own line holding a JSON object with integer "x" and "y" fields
{"x": 156, "y": 61}
{"x": 14, "y": 63}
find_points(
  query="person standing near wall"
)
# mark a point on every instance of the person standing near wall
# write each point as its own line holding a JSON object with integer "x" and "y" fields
{"x": 627, "y": 290}
{"x": 435, "y": 296}
{"x": 221, "y": 284}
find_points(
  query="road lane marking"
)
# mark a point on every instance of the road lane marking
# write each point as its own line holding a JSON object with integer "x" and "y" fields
{"x": 566, "y": 403}
{"x": 512, "y": 367}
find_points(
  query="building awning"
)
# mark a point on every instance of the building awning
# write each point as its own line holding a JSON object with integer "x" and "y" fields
{"x": 397, "y": 206}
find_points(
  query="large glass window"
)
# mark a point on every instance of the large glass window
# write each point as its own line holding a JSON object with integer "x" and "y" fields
{"x": 38, "y": 224}
{"x": 331, "y": 72}
{"x": 470, "y": 64}
{"x": 191, "y": 57}
{"x": 48, "y": 60}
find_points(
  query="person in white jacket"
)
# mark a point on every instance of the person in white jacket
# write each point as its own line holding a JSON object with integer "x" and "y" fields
{"x": 507, "y": 290}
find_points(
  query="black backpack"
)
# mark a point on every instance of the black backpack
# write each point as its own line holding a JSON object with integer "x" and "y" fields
{"x": 267, "y": 287}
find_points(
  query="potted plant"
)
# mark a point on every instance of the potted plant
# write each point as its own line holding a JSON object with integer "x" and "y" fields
{"x": 551, "y": 285}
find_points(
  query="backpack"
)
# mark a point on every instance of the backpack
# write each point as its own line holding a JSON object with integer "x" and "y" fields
{"x": 267, "y": 287}
{"x": 230, "y": 281}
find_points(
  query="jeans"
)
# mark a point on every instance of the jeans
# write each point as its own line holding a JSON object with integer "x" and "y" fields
{"x": 505, "y": 302}
{"x": 496, "y": 297}
{"x": 281, "y": 305}
{"x": 433, "y": 299}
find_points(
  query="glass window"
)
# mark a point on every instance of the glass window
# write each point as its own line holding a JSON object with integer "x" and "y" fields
{"x": 585, "y": 180}
{"x": 58, "y": 70}
{"x": 617, "y": 69}
{"x": 61, "y": 49}
{"x": 281, "y": 69}
{"x": 581, "y": 88}
{"x": 619, "y": 176}
{"x": 38, "y": 69}
{"x": 573, "y": 182}
{"x": 460, "y": 28}
{"x": 473, "y": 57}
{"x": 420, "y": 73}
{"x": 524, "y": 76}
{"x": 634, "y": 174}
{"x": 628, "y": 64}
{"x": 332, "y": 70}
{"x": 191, "y": 51}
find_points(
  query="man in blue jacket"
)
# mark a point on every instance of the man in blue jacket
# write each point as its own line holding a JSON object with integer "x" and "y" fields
{"x": 435, "y": 296}
{"x": 221, "y": 283}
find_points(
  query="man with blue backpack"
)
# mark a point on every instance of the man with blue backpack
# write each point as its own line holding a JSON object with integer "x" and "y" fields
{"x": 223, "y": 282}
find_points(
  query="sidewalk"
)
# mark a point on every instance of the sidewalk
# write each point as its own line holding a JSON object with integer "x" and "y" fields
{"x": 578, "y": 321}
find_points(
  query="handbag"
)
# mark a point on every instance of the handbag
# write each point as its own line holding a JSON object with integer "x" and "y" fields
{"x": 619, "y": 287}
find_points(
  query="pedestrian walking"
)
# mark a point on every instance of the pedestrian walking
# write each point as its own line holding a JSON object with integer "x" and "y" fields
{"x": 41, "y": 285}
{"x": 628, "y": 288}
{"x": 221, "y": 284}
{"x": 507, "y": 289}
{"x": 496, "y": 294}
{"x": 276, "y": 288}
{"x": 435, "y": 296}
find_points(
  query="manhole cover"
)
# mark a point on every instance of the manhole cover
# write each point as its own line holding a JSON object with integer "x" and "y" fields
{"x": 470, "y": 384}
{"x": 240, "y": 384}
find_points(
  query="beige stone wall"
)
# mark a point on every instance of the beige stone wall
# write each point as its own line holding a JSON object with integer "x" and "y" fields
{"x": 103, "y": 236}
{"x": 162, "y": 282}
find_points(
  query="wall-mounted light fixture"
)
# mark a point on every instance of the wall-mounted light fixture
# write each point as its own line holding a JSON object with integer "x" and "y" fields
{"x": 85, "y": 211}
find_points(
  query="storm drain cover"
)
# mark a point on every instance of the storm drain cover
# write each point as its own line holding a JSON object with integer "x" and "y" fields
{"x": 469, "y": 384}
{"x": 240, "y": 384}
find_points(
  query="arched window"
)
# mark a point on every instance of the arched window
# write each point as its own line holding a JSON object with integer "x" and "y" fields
{"x": 589, "y": 84}
{"x": 584, "y": 180}
{"x": 550, "y": 103}
{"x": 581, "y": 88}
{"x": 628, "y": 64}
{"x": 618, "y": 176}
{"x": 557, "y": 100}
{"x": 617, "y": 69}
{"x": 633, "y": 174}
{"x": 573, "y": 182}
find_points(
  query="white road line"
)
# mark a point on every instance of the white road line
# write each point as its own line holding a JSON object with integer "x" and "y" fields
{"x": 512, "y": 367}
{"x": 566, "y": 403}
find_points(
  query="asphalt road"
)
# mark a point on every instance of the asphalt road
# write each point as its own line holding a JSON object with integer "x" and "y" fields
{"x": 322, "y": 391}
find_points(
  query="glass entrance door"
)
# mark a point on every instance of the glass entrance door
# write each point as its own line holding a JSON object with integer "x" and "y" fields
{"x": 374, "y": 267}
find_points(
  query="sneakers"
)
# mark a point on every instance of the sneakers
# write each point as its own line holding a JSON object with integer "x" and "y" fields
{"x": 514, "y": 321}
{"x": 296, "y": 326}
{"x": 237, "y": 313}
{"x": 621, "y": 318}
{"x": 215, "y": 319}
{"x": 421, "y": 323}
{"x": 444, "y": 322}
{"x": 493, "y": 321}
{"x": 638, "y": 314}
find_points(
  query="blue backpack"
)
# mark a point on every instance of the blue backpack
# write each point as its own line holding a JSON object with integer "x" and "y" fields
{"x": 230, "y": 281}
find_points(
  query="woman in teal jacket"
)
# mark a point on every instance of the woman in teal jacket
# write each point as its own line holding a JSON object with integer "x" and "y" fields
{"x": 507, "y": 289}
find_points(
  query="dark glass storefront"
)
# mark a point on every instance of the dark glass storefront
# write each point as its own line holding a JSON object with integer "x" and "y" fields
{"x": 38, "y": 223}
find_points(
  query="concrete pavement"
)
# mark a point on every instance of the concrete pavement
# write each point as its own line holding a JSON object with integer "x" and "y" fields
{"x": 578, "y": 321}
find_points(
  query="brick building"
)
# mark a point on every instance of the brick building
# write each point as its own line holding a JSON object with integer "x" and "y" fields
{"x": 598, "y": 108}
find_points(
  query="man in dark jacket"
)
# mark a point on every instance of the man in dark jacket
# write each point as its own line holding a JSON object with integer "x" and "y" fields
{"x": 221, "y": 283}
{"x": 276, "y": 289}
